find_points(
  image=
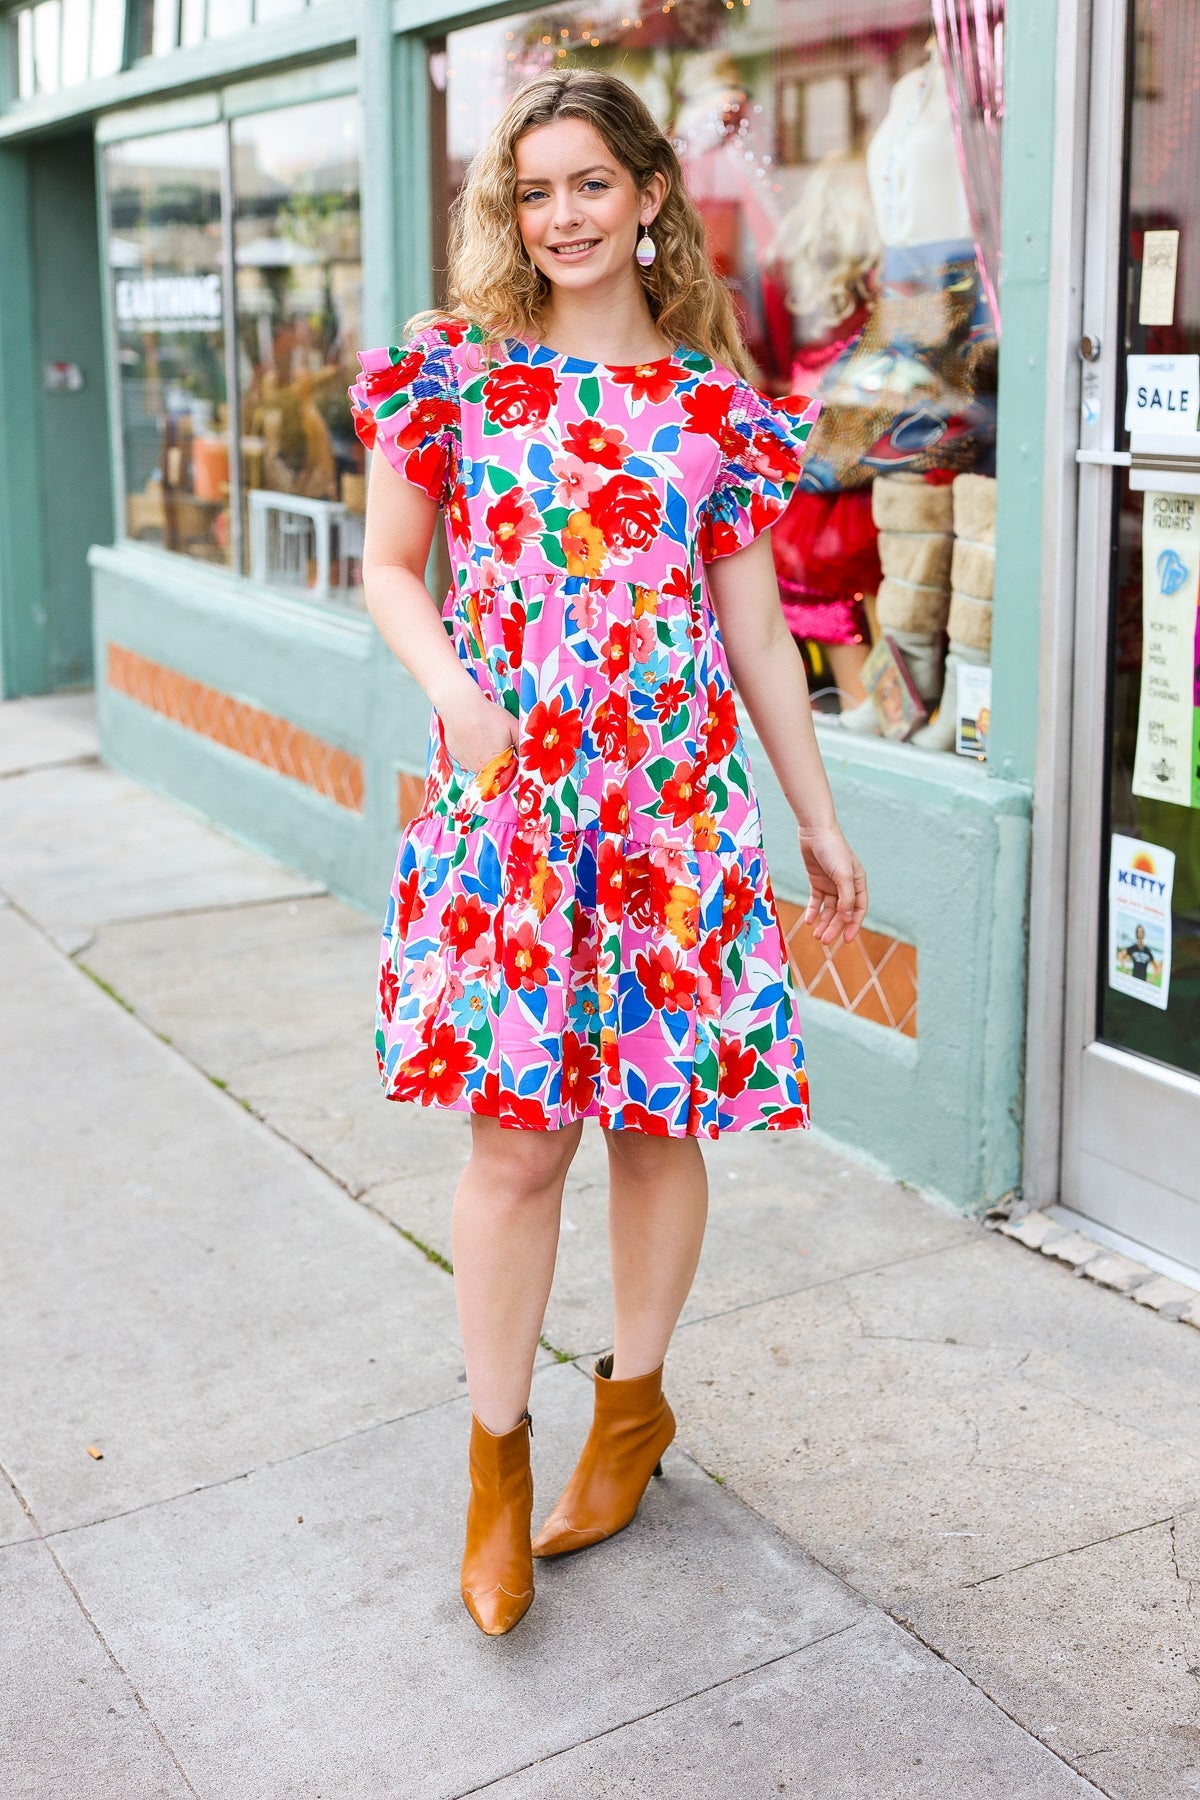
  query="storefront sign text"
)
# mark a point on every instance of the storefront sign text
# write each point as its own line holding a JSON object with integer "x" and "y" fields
{"x": 1165, "y": 758}
{"x": 169, "y": 303}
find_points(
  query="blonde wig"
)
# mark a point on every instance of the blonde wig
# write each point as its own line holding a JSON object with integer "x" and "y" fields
{"x": 828, "y": 246}
{"x": 492, "y": 282}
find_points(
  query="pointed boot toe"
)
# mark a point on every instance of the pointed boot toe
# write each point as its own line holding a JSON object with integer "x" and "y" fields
{"x": 497, "y": 1611}
{"x": 632, "y": 1425}
{"x": 497, "y": 1565}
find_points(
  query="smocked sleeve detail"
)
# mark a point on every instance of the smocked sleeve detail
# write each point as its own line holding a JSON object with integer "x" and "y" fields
{"x": 405, "y": 404}
{"x": 762, "y": 452}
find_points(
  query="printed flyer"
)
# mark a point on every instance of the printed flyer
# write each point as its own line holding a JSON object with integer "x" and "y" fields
{"x": 1140, "y": 882}
{"x": 1168, "y": 734}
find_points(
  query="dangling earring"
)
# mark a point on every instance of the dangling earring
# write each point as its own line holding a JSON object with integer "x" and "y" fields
{"x": 646, "y": 251}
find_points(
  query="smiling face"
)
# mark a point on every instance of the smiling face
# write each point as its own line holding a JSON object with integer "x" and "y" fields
{"x": 577, "y": 206}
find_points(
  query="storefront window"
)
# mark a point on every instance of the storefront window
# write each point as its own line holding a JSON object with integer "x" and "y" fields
{"x": 61, "y": 43}
{"x": 299, "y": 305}
{"x": 166, "y": 25}
{"x": 166, "y": 258}
{"x": 275, "y": 291}
{"x": 822, "y": 145}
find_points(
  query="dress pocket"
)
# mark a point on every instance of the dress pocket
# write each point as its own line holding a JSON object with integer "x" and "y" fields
{"x": 476, "y": 787}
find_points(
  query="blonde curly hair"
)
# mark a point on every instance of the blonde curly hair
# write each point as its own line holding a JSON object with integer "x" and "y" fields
{"x": 828, "y": 246}
{"x": 490, "y": 279}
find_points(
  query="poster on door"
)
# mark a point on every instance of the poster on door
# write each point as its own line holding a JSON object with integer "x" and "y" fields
{"x": 1168, "y": 734}
{"x": 1140, "y": 882}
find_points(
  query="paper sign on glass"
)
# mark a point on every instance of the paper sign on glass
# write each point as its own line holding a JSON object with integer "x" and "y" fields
{"x": 1160, "y": 263}
{"x": 1162, "y": 393}
{"x": 1163, "y": 763}
{"x": 1141, "y": 877}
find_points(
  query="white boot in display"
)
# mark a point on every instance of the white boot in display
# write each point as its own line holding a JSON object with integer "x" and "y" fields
{"x": 942, "y": 733}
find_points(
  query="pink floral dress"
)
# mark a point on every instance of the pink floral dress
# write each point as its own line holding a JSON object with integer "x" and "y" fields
{"x": 586, "y": 929}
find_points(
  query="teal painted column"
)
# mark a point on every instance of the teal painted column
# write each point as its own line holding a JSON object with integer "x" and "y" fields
{"x": 1024, "y": 302}
{"x": 23, "y": 652}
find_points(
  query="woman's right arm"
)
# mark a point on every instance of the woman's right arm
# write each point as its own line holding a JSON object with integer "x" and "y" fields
{"x": 401, "y": 521}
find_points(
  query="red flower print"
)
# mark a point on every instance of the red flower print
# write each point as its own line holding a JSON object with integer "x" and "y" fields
{"x": 707, "y": 408}
{"x": 389, "y": 991}
{"x": 677, "y": 586}
{"x": 519, "y": 397}
{"x": 458, "y": 514}
{"x": 464, "y": 922}
{"x": 437, "y": 1074}
{"x": 719, "y": 729}
{"x": 523, "y": 1114}
{"x": 364, "y": 425}
{"x": 512, "y": 629}
{"x": 668, "y": 986}
{"x": 668, "y": 699}
{"x": 763, "y": 512}
{"x": 640, "y": 907}
{"x": 525, "y": 960}
{"x": 738, "y": 1063}
{"x": 380, "y": 383}
{"x": 610, "y": 726}
{"x": 681, "y": 796}
{"x": 635, "y": 1117}
{"x": 409, "y": 905}
{"x": 614, "y": 811}
{"x": 610, "y": 879}
{"x": 426, "y": 469}
{"x": 736, "y": 905}
{"x": 616, "y": 650}
{"x": 718, "y": 539}
{"x": 426, "y": 419}
{"x": 649, "y": 381}
{"x": 552, "y": 739}
{"x": 580, "y": 1072}
{"x": 710, "y": 959}
{"x": 637, "y": 744}
{"x": 512, "y": 521}
{"x": 788, "y": 1118}
{"x": 771, "y": 457}
{"x": 593, "y": 442}
{"x": 545, "y": 888}
{"x": 628, "y": 512}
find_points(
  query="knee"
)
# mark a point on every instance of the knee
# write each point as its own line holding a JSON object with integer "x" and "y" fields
{"x": 520, "y": 1164}
{"x": 644, "y": 1158}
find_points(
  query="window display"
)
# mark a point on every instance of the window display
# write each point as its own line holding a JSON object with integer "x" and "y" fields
{"x": 823, "y": 147}
{"x": 297, "y": 245}
{"x": 287, "y": 509}
{"x": 164, "y": 249}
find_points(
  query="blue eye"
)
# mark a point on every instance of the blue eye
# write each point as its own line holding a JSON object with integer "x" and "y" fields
{"x": 595, "y": 182}
{"x": 531, "y": 194}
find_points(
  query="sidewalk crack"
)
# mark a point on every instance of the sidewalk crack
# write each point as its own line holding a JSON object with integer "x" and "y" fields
{"x": 97, "y": 1633}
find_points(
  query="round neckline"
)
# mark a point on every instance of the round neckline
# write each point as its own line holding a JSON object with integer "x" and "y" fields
{"x": 590, "y": 362}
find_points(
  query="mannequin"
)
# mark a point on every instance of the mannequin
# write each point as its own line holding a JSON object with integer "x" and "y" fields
{"x": 827, "y": 248}
{"x": 916, "y": 393}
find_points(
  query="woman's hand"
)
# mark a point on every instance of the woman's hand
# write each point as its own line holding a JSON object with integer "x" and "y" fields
{"x": 475, "y": 728}
{"x": 837, "y": 902}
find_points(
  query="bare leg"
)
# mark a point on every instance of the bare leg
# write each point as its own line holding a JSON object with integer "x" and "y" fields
{"x": 505, "y": 1237}
{"x": 657, "y": 1209}
{"x": 846, "y": 664}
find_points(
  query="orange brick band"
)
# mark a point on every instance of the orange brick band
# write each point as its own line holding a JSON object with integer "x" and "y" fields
{"x": 262, "y": 736}
{"x": 875, "y": 977}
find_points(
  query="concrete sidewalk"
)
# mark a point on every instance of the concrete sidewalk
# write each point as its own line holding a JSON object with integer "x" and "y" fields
{"x": 931, "y": 1526}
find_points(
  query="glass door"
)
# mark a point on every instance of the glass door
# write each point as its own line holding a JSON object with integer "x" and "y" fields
{"x": 1132, "y": 1076}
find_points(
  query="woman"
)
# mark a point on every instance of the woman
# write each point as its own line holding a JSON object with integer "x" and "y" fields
{"x": 582, "y": 924}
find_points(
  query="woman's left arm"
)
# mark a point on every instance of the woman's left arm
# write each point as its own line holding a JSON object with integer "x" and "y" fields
{"x": 768, "y": 671}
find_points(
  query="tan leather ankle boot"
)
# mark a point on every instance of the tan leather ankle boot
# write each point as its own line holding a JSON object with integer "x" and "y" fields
{"x": 631, "y": 1427}
{"x": 497, "y": 1565}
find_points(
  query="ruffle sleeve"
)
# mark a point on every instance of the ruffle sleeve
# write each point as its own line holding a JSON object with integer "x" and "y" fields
{"x": 762, "y": 452}
{"x": 405, "y": 403}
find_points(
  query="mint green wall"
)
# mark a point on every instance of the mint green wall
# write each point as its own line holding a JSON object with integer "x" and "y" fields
{"x": 23, "y": 661}
{"x": 944, "y": 841}
{"x": 1030, "y": 67}
{"x": 76, "y": 490}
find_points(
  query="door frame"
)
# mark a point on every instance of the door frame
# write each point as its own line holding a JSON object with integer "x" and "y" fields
{"x": 1069, "y": 812}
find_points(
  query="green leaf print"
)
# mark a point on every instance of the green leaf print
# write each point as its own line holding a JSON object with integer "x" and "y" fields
{"x": 763, "y": 1077}
{"x": 498, "y": 479}
{"x": 473, "y": 395}
{"x": 589, "y": 395}
{"x": 718, "y": 793}
{"x": 760, "y": 1039}
{"x": 394, "y": 403}
{"x": 570, "y": 798}
{"x": 734, "y": 959}
{"x": 553, "y": 551}
{"x": 555, "y": 517}
{"x": 674, "y": 726}
{"x": 737, "y": 775}
{"x": 660, "y": 770}
{"x": 490, "y": 427}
